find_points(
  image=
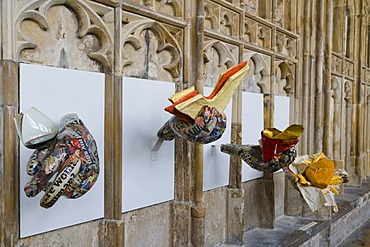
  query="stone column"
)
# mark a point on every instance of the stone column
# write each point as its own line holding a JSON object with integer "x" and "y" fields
{"x": 111, "y": 228}
{"x": 9, "y": 145}
{"x": 328, "y": 125}
{"x": 198, "y": 209}
{"x": 319, "y": 97}
{"x": 9, "y": 163}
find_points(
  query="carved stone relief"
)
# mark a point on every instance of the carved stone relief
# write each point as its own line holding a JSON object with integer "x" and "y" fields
{"x": 257, "y": 79}
{"x": 349, "y": 68}
{"x": 44, "y": 37}
{"x": 170, "y": 7}
{"x": 279, "y": 12}
{"x": 221, "y": 19}
{"x": 250, "y": 30}
{"x": 336, "y": 64}
{"x": 251, "y": 6}
{"x": 336, "y": 117}
{"x": 211, "y": 13}
{"x": 156, "y": 44}
{"x": 349, "y": 147}
{"x": 218, "y": 57}
{"x": 286, "y": 44}
{"x": 284, "y": 78}
{"x": 264, "y": 36}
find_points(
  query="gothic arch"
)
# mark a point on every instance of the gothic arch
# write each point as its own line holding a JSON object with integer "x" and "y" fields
{"x": 338, "y": 12}
{"x": 92, "y": 32}
{"x": 349, "y": 28}
{"x": 210, "y": 18}
{"x": 227, "y": 23}
{"x": 174, "y": 5}
{"x": 166, "y": 42}
{"x": 336, "y": 118}
{"x": 284, "y": 78}
{"x": 347, "y": 128}
{"x": 257, "y": 79}
{"x": 223, "y": 59}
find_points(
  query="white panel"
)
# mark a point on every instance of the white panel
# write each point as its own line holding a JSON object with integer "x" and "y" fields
{"x": 281, "y": 114}
{"x": 252, "y": 127}
{"x": 145, "y": 181}
{"x": 216, "y": 163}
{"x": 56, "y": 92}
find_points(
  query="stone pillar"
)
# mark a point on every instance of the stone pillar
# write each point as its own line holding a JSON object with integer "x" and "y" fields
{"x": 198, "y": 209}
{"x": 328, "y": 125}
{"x": 266, "y": 201}
{"x": 9, "y": 163}
{"x": 319, "y": 97}
{"x": 9, "y": 145}
{"x": 235, "y": 194}
{"x": 235, "y": 219}
{"x": 111, "y": 228}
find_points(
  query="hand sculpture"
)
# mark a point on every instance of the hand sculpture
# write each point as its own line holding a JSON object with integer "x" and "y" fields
{"x": 71, "y": 157}
{"x": 208, "y": 126}
{"x": 200, "y": 118}
{"x": 252, "y": 155}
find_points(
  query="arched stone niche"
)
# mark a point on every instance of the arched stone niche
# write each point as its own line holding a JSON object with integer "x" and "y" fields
{"x": 161, "y": 52}
{"x": 218, "y": 57}
{"x": 335, "y": 118}
{"x": 284, "y": 78}
{"x": 258, "y": 76}
{"x": 67, "y": 34}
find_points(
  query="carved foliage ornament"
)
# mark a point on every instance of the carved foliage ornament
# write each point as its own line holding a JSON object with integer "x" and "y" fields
{"x": 166, "y": 42}
{"x": 89, "y": 23}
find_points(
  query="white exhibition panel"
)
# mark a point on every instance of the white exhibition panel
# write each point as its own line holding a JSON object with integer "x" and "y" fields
{"x": 146, "y": 181}
{"x": 215, "y": 162}
{"x": 252, "y": 115}
{"x": 281, "y": 113}
{"x": 56, "y": 92}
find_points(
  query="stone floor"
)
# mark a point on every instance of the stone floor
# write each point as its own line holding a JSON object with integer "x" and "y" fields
{"x": 360, "y": 237}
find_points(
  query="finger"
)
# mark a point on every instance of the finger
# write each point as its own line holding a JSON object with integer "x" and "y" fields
{"x": 33, "y": 164}
{"x": 68, "y": 170}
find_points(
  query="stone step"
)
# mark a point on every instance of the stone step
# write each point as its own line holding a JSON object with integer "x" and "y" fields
{"x": 319, "y": 230}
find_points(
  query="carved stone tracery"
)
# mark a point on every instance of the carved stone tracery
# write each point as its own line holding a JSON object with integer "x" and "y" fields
{"x": 217, "y": 58}
{"x": 139, "y": 39}
{"x": 284, "y": 78}
{"x": 42, "y": 34}
{"x": 257, "y": 78}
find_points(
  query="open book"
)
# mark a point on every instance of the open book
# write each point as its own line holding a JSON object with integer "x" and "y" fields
{"x": 187, "y": 103}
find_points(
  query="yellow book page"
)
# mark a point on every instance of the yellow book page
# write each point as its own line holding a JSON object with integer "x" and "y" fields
{"x": 219, "y": 101}
{"x": 179, "y": 95}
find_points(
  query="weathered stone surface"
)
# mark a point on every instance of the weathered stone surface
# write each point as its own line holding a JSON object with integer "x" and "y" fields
{"x": 215, "y": 223}
{"x": 148, "y": 226}
{"x": 111, "y": 233}
{"x": 235, "y": 216}
{"x": 181, "y": 224}
{"x": 279, "y": 193}
{"x": 251, "y": 204}
{"x": 84, "y": 235}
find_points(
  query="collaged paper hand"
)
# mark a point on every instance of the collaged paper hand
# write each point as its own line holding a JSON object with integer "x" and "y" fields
{"x": 72, "y": 158}
{"x": 208, "y": 126}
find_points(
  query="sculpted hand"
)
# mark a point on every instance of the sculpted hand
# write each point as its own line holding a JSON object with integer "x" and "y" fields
{"x": 208, "y": 126}
{"x": 68, "y": 166}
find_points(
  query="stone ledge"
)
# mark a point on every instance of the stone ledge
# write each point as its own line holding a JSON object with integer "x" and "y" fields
{"x": 353, "y": 212}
